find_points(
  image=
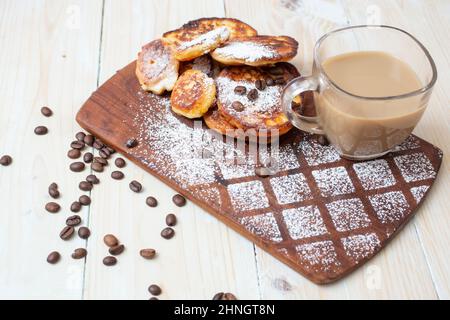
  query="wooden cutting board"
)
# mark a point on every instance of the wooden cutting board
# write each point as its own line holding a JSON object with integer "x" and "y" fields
{"x": 321, "y": 215}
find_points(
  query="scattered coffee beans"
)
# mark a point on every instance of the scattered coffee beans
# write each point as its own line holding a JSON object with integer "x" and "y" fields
{"x": 116, "y": 250}
{"x": 237, "y": 106}
{"x": 240, "y": 90}
{"x": 67, "y": 232}
{"x": 80, "y": 136}
{"x": 252, "y": 95}
{"x": 84, "y": 232}
{"x": 88, "y": 157}
{"x": 151, "y": 201}
{"x": 322, "y": 140}
{"x": 92, "y": 178}
{"x": 117, "y": 175}
{"x": 89, "y": 140}
{"x": 85, "y": 186}
{"x": 52, "y": 207}
{"x": 224, "y": 296}
{"x": 84, "y": 200}
{"x": 260, "y": 85}
{"x": 105, "y": 153}
{"x": 53, "y": 257}
{"x": 46, "y": 111}
{"x": 5, "y": 160}
{"x": 98, "y": 144}
{"x": 79, "y": 253}
{"x": 110, "y": 240}
{"x": 179, "y": 200}
{"x": 77, "y": 166}
{"x": 111, "y": 150}
{"x": 131, "y": 143}
{"x": 100, "y": 160}
{"x": 77, "y": 145}
{"x": 135, "y": 186}
{"x": 73, "y": 220}
{"x": 148, "y": 253}
{"x": 75, "y": 206}
{"x": 153, "y": 298}
{"x": 167, "y": 233}
{"x": 74, "y": 153}
{"x": 171, "y": 220}
{"x": 53, "y": 191}
{"x": 97, "y": 167}
{"x": 53, "y": 185}
{"x": 154, "y": 290}
{"x": 120, "y": 163}
{"x": 40, "y": 130}
{"x": 109, "y": 261}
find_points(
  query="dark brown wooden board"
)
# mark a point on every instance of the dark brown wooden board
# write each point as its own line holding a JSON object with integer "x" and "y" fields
{"x": 321, "y": 215}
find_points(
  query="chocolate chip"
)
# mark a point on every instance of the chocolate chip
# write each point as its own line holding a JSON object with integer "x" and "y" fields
{"x": 135, "y": 186}
{"x": 154, "y": 290}
{"x": 89, "y": 139}
{"x": 85, "y": 200}
{"x": 79, "y": 253}
{"x": 74, "y": 153}
{"x": 260, "y": 84}
{"x": 151, "y": 201}
{"x": 66, "y": 233}
{"x": 75, "y": 206}
{"x": 53, "y": 257}
{"x": 5, "y": 160}
{"x": 252, "y": 95}
{"x": 237, "y": 106}
{"x": 171, "y": 219}
{"x": 97, "y": 167}
{"x": 92, "y": 178}
{"x": 109, "y": 261}
{"x": 322, "y": 140}
{"x": 88, "y": 157}
{"x": 73, "y": 220}
{"x": 46, "y": 111}
{"x": 179, "y": 200}
{"x": 116, "y": 250}
{"x": 110, "y": 240}
{"x": 52, "y": 207}
{"x": 84, "y": 232}
{"x": 120, "y": 163}
{"x": 80, "y": 136}
{"x": 240, "y": 90}
{"x": 85, "y": 186}
{"x": 167, "y": 233}
{"x": 77, "y": 145}
{"x": 40, "y": 130}
{"x": 117, "y": 175}
{"x": 270, "y": 82}
{"x": 77, "y": 166}
{"x": 131, "y": 143}
{"x": 147, "y": 253}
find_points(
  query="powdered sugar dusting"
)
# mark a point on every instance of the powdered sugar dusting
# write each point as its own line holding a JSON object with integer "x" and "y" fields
{"x": 246, "y": 50}
{"x": 348, "y": 214}
{"x": 248, "y": 196}
{"x": 211, "y": 195}
{"x": 419, "y": 192}
{"x": 285, "y": 157}
{"x": 316, "y": 154}
{"x": 360, "y": 246}
{"x": 333, "y": 181}
{"x": 318, "y": 255}
{"x": 292, "y": 188}
{"x": 374, "y": 174}
{"x": 390, "y": 207}
{"x": 263, "y": 225}
{"x": 207, "y": 39}
{"x": 304, "y": 222}
{"x": 415, "y": 167}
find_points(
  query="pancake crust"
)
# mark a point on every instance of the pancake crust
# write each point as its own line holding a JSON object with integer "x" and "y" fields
{"x": 156, "y": 67}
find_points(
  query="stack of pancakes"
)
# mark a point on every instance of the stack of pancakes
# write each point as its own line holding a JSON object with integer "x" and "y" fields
{"x": 222, "y": 70}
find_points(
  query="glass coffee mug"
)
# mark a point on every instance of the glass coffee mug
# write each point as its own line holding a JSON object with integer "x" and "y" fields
{"x": 363, "y": 127}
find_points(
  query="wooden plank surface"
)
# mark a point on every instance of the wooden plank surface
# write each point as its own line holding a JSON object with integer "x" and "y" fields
{"x": 52, "y": 58}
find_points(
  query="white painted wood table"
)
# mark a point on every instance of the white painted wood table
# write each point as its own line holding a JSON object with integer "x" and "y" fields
{"x": 57, "y": 52}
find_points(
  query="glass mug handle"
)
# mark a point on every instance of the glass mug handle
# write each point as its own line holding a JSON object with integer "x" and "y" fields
{"x": 292, "y": 90}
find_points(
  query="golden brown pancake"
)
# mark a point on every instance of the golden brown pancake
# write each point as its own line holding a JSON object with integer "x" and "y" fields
{"x": 199, "y": 37}
{"x": 193, "y": 94}
{"x": 156, "y": 67}
{"x": 256, "y": 50}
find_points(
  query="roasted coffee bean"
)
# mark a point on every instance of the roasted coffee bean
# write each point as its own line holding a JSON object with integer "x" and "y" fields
{"x": 260, "y": 84}
{"x": 52, "y": 207}
{"x": 74, "y": 153}
{"x": 66, "y": 233}
{"x": 53, "y": 185}
{"x": 237, "y": 106}
{"x": 147, "y": 253}
{"x": 85, "y": 186}
{"x": 89, "y": 139}
{"x": 276, "y": 71}
{"x": 179, "y": 200}
{"x": 5, "y": 160}
{"x": 77, "y": 166}
{"x": 84, "y": 200}
{"x": 252, "y": 95}
{"x": 270, "y": 82}
{"x": 240, "y": 90}
{"x": 92, "y": 178}
{"x": 104, "y": 153}
{"x": 98, "y": 144}
{"x": 167, "y": 233}
{"x": 120, "y": 163}
{"x": 77, "y": 145}
{"x": 151, "y": 201}
{"x": 171, "y": 219}
{"x": 53, "y": 192}
{"x": 80, "y": 136}
{"x": 88, "y": 157}
{"x": 75, "y": 206}
{"x": 79, "y": 253}
{"x": 53, "y": 257}
{"x": 109, "y": 261}
{"x": 153, "y": 298}
{"x": 154, "y": 290}
{"x": 111, "y": 150}
{"x": 117, "y": 175}
{"x": 224, "y": 296}
{"x": 131, "y": 143}
{"x": 46, "y": 111}
{"x": 218, "y": 296}
{"x": 100, "y": 160}
{"x": 40, "y": 130}
{"x": 135, "y": 186}
{"x": 73, "y": 220}
{"x": 116, "y": 250}
{"x": 84, "y": 232}
{"x": 280, "y": 81}
{"x": 110, "y": 240}
{"x": 264, "y": 172}
{"x": 322, "y": 140}
{"x": 97, "y": 167}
